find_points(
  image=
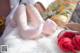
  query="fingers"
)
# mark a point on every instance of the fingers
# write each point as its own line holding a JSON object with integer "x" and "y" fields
{"x": 74, "y": 26}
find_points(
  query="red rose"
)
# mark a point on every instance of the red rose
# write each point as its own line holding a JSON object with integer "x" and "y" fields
{"x": 66, "y": 45}
{"x": 76, "y": 42}
{"x": 68, "y": 34}
{"x": 69, "y": 41}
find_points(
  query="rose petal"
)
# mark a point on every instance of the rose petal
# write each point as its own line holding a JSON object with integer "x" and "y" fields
{"x": 67, "y": 34}
{"x": 66, "y": 44}
{"x": 76, "y": 42}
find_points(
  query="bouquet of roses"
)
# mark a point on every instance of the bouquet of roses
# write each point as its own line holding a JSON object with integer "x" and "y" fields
{"x": 69, "y": 41}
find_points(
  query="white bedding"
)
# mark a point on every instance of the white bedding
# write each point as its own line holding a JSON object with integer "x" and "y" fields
{"x": 40, "y": 45}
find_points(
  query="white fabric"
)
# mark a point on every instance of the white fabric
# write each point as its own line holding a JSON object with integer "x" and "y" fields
{"x": 45, "y": 3}
{"x": 9, "y": 18}
{"x": 41, "y": 45}
{"x": 26, "y": 31}
{"x": 13, "y": 3}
